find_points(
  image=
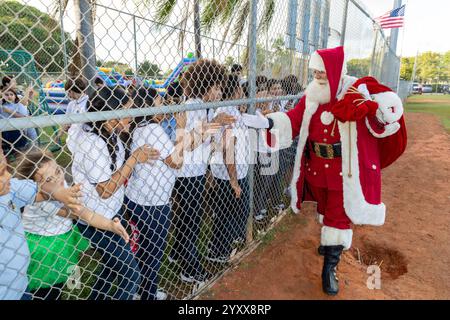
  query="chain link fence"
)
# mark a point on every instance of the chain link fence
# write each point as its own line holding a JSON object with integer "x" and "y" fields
{"x": 136, "y": 106}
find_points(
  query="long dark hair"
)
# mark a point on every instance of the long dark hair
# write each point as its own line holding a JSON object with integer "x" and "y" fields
{"x": 143, "y": 98}
{"x": 16, "y": 100}
{"x": 231, "y": 85}
{"x": 107, "y": 99}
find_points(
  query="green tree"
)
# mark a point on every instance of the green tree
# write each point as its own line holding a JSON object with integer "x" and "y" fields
{"x": 229, "y": 61}
{"x": 281, "y": 58}
{"x": 165, "y": 8}
{"x": 407, "y": 68}
{"x": 429, "y": 63}
{"x": 358, "y": 67}
{"x": 149, "y": 70}
{"x": 263, "y": 59}
{"x": 446, "y": 67}
{"x": 24, "y": 27}
{"x": 234, "y": 15}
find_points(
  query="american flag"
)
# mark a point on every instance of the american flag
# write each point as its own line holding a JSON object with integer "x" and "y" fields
{"x": 392, "y": 19}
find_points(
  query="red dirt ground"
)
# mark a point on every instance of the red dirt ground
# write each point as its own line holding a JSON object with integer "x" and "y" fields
{"x": 413, "y": 247}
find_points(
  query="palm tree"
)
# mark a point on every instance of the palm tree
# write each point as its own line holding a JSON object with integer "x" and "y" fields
{"x": 83, "y": 59}
{"x": 233, "y": 14}
{"x": 165, "y": 9}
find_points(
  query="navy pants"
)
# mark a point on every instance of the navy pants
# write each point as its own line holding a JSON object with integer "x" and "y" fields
{"x": 230, "y": 217}
{"x": 118, "y": 263}
{"x": 152, "y": 223}
{"x": 264, "y": 182}
{"x": 189, "y": 193}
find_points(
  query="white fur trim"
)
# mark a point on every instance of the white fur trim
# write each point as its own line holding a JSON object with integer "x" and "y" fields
{"x": 334, "y": 237}
{"x": 310, "y": 109}
{"x": 326, "y": 118}
{"x": 365, "y": 92}
{"x": 282, "y": 129}
{"x": 389, "y": 129}
{"x": 356, "y": 207}
{"x": 390, "y": 107}
{"x": 320, "y": 218}
{"x": 316, "y": 62}
{"x": 345, "y": 83}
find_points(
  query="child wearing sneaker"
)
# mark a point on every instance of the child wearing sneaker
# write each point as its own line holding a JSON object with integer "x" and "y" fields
{"x": 229, "y": 167}
{"x": 202, "y": 82}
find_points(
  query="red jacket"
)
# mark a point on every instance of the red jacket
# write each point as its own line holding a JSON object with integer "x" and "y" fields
{"x": 367, "y": 146}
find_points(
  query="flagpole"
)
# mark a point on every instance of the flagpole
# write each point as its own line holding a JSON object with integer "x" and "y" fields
{"x": 401, "y": 52}
{"x": 372, "y": 64}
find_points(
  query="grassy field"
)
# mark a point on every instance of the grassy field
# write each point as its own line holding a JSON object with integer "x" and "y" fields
{"x": 433, "y": 103}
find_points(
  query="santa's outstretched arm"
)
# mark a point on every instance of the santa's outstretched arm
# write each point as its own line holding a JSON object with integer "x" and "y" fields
{"x": 281, "y": 127}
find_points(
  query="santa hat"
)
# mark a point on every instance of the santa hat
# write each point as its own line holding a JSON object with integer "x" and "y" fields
{"x": 316, "y": 63}
{"x": 332, "y": 62}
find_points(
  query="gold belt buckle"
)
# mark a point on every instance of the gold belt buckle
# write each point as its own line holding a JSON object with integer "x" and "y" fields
{"x": 329, "y": 148}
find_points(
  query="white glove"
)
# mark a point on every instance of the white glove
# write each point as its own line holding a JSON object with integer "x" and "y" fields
{"x": 257, "y": 121}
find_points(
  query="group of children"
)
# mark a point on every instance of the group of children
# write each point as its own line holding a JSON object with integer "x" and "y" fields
{"x": 149, "y": 173}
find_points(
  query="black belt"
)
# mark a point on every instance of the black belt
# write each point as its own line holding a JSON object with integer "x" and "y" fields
{"x": 326, "y": 151}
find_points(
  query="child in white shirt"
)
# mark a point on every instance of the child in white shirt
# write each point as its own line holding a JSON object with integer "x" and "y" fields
{"x": 55, "y": 243}
{"x": 99, "y": 165}
{"x": 229, "y": 166}
{"x": 150, "y": 187}
{"x": 202, "y": 82}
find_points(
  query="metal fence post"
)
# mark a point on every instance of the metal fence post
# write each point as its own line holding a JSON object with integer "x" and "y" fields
{"x": 135, "y": 47}
{"x": 344, "y": 22}
{"x": 394, "y": 59}
{"x": 85, "y": 34}
{"x": 305, "y": 38}
{"x": 316, "y": 24}
{"x": 197, "y": 35}
{"x": 292, "y": 28}
{"x": 326, "y": 24}
{"x": 372, "y": 62}
{"x": 252, "y": 38}
{"x": 63, "y": 36}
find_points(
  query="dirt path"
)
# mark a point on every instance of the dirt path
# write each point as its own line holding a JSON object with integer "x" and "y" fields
{"x": 413, "y": 247}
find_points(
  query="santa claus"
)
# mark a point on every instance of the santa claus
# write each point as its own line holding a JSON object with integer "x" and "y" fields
{"x": 348, "y": 130}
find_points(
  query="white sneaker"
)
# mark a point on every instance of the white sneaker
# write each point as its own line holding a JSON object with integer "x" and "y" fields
{"x": 261, "y": 215}
{"x": 161, "y": 295}
{"x": 171, "y": 260}
{"x": 201, "y": 278}
{"x": 287, "y": 191}
{"x": 279, "y": 207}
{"x": 218, "y": 259}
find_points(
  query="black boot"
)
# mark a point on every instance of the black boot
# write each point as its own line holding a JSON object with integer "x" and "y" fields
{"x": 321, "y": 250}
{"x": 332, "y": 255}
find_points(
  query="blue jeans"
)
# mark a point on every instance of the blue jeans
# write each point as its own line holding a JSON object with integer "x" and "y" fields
{"x": 189, "y": 194}
{"x": 153, "y": 224}
{"x": 230, "y": 217}
{"x": 117, "y": 262}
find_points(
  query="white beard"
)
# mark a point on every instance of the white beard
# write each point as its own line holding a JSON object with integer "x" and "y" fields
{"x": 319, "y": 93}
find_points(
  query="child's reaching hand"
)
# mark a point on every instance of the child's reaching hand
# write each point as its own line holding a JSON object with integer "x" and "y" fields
{"x": 117, "y": 228}
{"x": 145, "y": 154}
{"x": 70, "y": 197}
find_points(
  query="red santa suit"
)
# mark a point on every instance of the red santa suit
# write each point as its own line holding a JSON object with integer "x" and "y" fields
{"x": 343, "y": 145}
